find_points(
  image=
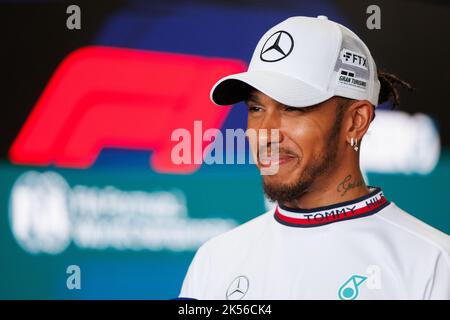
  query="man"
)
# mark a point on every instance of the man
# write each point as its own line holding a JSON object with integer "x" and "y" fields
{"x": 330, "y": 236}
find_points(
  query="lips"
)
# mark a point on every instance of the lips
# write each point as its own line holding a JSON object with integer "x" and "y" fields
{"x": 283, "y": 158}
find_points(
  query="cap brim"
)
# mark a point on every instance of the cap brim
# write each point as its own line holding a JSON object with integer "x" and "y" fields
{"x": 284, "y": 89}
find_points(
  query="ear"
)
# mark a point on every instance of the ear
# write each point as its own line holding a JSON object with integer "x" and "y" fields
{"x": 359, "y": 115}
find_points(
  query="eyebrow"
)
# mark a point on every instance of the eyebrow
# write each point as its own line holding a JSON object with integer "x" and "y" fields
{"x": 307, "y": 109}
{"x": 252, "y": 97}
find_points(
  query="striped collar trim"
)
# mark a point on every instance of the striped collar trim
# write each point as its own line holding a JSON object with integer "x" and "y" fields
{"x": 357, "y": 208}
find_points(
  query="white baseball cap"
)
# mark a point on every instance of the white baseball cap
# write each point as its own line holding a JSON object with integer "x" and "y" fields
{"x": 303, "y": 61}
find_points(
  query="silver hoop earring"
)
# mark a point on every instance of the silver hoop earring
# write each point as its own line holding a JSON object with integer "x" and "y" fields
{"x": 356, "y": 145}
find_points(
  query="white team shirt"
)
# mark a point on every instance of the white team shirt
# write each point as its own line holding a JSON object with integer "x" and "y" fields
{"x": 367, "y": 248}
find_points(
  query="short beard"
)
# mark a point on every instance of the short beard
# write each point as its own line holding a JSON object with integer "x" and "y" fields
{"x": 320, "y": 166}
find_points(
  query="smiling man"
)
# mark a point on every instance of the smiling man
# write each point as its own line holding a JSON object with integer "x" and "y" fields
{"x": 316, "y": 166}
{"x": 330, "y": 236}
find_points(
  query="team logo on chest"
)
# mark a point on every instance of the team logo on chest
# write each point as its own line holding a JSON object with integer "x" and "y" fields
{"x": 349, "y": 290}
{"x": 237, "y": 288}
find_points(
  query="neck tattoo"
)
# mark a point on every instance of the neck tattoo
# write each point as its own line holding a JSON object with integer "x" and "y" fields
{"x": 347, "y": 184}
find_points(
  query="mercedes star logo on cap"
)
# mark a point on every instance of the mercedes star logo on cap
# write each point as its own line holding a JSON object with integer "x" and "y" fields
{"x": 277, "y": 47}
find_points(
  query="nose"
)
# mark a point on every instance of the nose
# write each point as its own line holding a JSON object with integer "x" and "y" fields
{"x": 269, "y": 130}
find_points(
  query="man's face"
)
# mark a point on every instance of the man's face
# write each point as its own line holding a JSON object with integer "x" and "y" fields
{"x": 308, "y": 143}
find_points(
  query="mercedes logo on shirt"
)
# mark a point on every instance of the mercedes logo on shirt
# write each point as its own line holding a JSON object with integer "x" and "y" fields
{"x": 238, "y": 288}
{"x": 277, "y": 47}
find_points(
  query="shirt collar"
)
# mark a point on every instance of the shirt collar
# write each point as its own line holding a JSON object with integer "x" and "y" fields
{"x": 356, "y": 208}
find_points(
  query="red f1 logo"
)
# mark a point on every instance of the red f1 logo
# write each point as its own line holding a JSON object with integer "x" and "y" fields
{"x": 109, "y": 97}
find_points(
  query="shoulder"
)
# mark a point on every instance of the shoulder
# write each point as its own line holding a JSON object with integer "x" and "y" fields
{"x": 414, "y": 231}
{"x": 239, "y": 237}
{"x": 218, "y": 255}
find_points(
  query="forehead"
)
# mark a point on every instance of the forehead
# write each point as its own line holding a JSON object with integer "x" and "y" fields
{"x": 257, "y": 96}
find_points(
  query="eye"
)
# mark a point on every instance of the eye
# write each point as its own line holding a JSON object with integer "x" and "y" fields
{"x": 253, "y": 108}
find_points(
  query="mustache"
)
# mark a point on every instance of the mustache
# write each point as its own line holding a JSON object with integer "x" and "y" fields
{"x": 282, "y": 151}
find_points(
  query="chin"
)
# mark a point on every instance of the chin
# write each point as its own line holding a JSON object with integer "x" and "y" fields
{"x": 280, "y": 178}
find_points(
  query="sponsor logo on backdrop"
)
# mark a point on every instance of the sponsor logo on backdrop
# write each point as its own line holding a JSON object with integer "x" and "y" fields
{"x": 135, "y": 101}
{"x": 47, "y": 215}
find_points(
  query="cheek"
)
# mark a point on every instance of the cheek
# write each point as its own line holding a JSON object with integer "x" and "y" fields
{"x": 308, "y": 136}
